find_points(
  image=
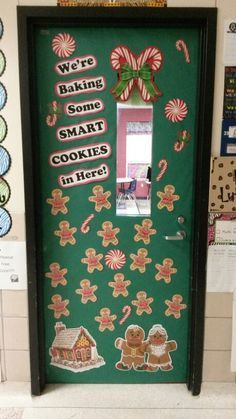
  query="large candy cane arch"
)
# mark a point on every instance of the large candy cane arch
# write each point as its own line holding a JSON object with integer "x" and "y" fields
{"x": 151, "y": 58}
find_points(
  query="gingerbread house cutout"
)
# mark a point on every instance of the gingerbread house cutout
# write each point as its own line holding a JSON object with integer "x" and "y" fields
{"x": 74, "y": 349}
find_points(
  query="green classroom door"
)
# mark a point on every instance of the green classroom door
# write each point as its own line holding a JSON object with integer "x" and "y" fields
{"x": 116, "y": 122}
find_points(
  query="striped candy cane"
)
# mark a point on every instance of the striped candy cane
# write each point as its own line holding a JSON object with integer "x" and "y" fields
{"x": 181, "y": 46}
{"x": 153, "y": 57}
{"x": 85, "y": 227}
{"x": 119, "y": 56}
{"x": 127, "y": 311}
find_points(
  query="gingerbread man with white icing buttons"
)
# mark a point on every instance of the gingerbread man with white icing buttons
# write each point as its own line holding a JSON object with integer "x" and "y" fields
{"x": 66, "y": 233}
{"x": 59, "y": 306}
{"x": 140, "y": 260}
{"x": 92, "y": 260}
{"x": 109, "y": 234}
{"x": 142, "y": 303}
{"x": 119, "y": 285}
{"x": 87, "y": 291}
{"x": 167, "y": 198}
{"x": 58, "y": 202}
{"x": 56, "y": 275}
{"x": 165, "y": 270}
{"x": 144, "y": 231}
{"x": 106, "y": 319}
{"x": 175, "y": 306}
{"x": 100, "y": 198}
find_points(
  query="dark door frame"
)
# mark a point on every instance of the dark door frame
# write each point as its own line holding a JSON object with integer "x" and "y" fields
{"x": 205, "y": 20}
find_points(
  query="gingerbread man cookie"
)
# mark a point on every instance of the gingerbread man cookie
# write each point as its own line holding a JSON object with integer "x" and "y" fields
{"x": 92, "y": 260}
{"x": 167, "y": 198}
{"x": 106, "y": 319}
{"x": 119, "y": 285}
{"x": 87, "y": 291}
{"x": 140, "y": 260}
{"x": 100, "y": 198}
{"x": 142, "y": 303}
{"x": 144, "y": 231}
{"x": 108, "y": 233}
{"x": 165, "y": 270}
{"x": 175, "y": 306}
{"x": 159, "y": 348}
{"x": 58, "y": 202}
{"x": 56, "y": 275}
{"x": 133, "y": 349}
{"x": 59, "y": 306}
{"x": 65, "y": 233}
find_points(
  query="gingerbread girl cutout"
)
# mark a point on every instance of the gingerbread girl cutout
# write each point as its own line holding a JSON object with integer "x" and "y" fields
{"x": 140, "y": 260}
{"x": 100, "y": 198}
{"x": 92, "y": 260}
{"x": 58, "y": 202}
{"x": 142, "y": 303}
{"x": 59, "y": 306}
{"x": 165, "y": 270}
{"x": 106, "y": 319}
{"x": 56, "y": 275}
{"x": 175, "y": 306}
{"x": 87, "y": 291}
{"x": 109, "y": 234}
{"x": 167, "y": 198}
{"x": 144, "y": 231}
{"x": 119, "y": 285}
{"x": 66, "y": 233}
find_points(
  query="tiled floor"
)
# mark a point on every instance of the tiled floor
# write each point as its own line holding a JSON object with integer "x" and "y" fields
{"x": 217, "y": 401}
{"x": 131, "y": 208}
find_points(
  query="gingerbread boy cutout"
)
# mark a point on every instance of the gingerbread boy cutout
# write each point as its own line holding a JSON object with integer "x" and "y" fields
{"x": 167, "y": 198}
{"x": 175, "y": 306}
{"x": 66, "y": 233}
{"x": 140, "y": 260}
{"x": 165, "y": 270}
{"x": 56, "y": 275}
{"x": 58, "y": 202}
{"x": 92, "y": 260}
{"x": 87, "y": 291}
{"x": 142, "y": 303}
{"x": 119, "y": 285}
{"x": 133, "y": 349}
{"x": 109, "y": 234}
{"x": 59, "y": 306}
{"x": 106, "y": 319}
{"x": 144, "y": 231}
{"x": 100, "y": 198}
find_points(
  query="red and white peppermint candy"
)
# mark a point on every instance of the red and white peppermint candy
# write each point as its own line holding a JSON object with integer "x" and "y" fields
{"x": 176, "y": 110}
{"x": 115, "y": 259}
{"x": 63, "y": 45}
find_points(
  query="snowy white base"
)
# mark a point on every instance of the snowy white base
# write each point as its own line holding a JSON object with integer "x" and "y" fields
{"x": 78, "y": 366}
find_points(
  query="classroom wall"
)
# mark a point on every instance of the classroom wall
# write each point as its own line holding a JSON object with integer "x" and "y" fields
{"x": 14, "y": 343}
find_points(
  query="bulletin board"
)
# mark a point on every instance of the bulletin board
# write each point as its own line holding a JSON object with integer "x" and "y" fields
{"x": 100, "y": 276}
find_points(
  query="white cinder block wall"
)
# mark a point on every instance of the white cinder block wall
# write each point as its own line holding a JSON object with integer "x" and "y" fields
{"x": 14, "y": 346}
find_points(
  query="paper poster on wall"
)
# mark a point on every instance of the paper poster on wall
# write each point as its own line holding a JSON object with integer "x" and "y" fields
{"x": 221, "y": 268}
{"x": 222, "y": 193}
{"x": 229, "y": 54}
{"x": 221, "y": 263}
{"x": 228, "y": 137}
{"x": 13, "y": 265}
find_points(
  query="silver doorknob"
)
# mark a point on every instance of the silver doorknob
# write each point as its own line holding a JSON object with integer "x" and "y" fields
{"x": 180, "y": 235}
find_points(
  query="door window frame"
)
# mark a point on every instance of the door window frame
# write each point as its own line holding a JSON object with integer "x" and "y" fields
{"x": 30, "y": 18}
